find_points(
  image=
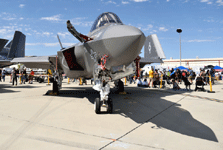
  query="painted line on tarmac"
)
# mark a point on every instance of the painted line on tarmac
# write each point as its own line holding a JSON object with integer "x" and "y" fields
{"x": 17, "y": 134}
{"x": 205, "y": 98}
{"x": 118, "y": 139}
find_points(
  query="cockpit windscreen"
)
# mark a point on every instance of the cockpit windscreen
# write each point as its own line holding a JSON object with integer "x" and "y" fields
{"x": 105, "y": 18}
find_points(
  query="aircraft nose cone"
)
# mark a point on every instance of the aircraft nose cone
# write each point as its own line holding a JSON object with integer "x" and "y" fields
{"x": 122, "y": 31}
{"x": 124, "y": 43}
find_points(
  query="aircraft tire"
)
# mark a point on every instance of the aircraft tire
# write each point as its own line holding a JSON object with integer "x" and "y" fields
{"x": 110, "y": 106}
{"x": 97, "y": 106}
{"x": 55, "y": 87}
{"x": 120, "y": 86}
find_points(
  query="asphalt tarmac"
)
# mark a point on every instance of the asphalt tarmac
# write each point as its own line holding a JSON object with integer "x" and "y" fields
{"x": 143, "y": 119}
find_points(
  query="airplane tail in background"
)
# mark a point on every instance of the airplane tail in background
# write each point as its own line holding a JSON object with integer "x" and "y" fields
{"x": 17, "y": 45}
{"x": 9, "y": 44}
{"x": 2, "y": 43}
{"x": 153, "y": 52}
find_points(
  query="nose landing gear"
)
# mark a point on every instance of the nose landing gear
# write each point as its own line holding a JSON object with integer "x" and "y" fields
{"x": 98, "y": 104}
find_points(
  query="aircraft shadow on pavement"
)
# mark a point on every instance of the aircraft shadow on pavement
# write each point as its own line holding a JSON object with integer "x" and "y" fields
{"x": 144, "y": 106}
{"x": 7, "y": 88}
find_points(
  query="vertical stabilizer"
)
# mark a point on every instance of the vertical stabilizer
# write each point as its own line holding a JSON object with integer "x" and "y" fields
{"x": 153, "y": 52}
{"x": 2, "y": 43}
{"x": 17, "y": 45}
{"x": 9, "y": 44}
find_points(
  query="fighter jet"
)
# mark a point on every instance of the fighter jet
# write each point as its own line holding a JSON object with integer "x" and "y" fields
{"x": 15, "y": 48}
{"x": 107, "y": 53}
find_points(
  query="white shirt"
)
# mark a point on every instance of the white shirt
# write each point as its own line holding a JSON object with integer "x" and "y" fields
{"x": 144, "y": 83}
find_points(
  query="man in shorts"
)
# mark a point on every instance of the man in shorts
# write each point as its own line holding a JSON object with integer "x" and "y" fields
{"x": 151, "y": 75}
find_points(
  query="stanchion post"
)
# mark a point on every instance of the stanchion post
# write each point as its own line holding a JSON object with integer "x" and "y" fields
{"x": 48, "y": 79}
{"x": 161, "y": 80}
{"x": 68, "y": 80}
{"x": 80, "y": 81}
{"x": 20, "y": 79}
{"x": 210, "y": 85}
{"x": 125, "y": 81}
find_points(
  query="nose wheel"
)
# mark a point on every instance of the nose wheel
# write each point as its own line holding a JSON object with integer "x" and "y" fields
{"x": 98, "y": 104}
{"x": 110, "y": 106}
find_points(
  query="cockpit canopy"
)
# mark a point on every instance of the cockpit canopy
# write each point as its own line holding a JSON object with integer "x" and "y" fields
{"x": 105, "y": 18}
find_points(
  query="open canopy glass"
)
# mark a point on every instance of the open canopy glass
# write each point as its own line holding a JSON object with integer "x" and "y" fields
{"x": 105, "y": 18}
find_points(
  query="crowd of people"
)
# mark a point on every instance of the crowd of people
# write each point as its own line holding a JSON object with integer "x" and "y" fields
{"x": 154, "y": 78}
{"x": 16, "y": 74}
{"x": 175, "y": 77}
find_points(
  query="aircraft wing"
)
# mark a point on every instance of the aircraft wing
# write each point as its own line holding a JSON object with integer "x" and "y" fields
{"x": 153, "y": 52}
{"x": 4, "y": 63}
{"x": 43, "y": 62}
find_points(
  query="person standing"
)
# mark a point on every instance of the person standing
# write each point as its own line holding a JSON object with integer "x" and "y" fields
{"x": 212, "y": 72}
{"x": 156, "y": 78}
{"x": 0, "y": 74}
{"x": 191, "y": 75}
{"x": 24, "y": 76}
{"x": 14, "y": 77}
{"x": 151, "y": 76}
{"x": 131, "y": 78}
{"x": 172, "y": 74}
{"x": 3, "y": 75}
{"x": 175, "y": 85}
{"x": 139, "y": 82}
{"x": 31, "y": 77}
{"x": 141, "y": 74}
{"x": 207, "y": 76}
{"x": 179, "y": 76}
{"x": 168, "y": 75}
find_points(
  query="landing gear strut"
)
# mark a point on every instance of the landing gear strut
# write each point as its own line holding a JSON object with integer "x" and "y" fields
{"x": 104, "y": 101}
{"x": 101, "y": 79}
{"x": 57, "y": 82}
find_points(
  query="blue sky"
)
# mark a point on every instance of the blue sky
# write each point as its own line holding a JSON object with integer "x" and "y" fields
{"x": 200, "y": 20}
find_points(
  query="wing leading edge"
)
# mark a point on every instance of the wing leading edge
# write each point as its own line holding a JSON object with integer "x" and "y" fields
{"x": 43, "y": 62}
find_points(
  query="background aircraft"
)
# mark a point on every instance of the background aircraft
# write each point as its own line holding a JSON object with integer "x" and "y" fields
{"x": 107, "y": 54}
{"x": 15, "y": 48}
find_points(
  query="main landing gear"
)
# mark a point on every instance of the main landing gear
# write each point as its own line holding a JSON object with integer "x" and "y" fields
{"x": 57, "y": 83}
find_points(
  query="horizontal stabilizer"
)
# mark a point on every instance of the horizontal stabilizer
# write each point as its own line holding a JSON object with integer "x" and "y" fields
{"x": 153, "y": 52}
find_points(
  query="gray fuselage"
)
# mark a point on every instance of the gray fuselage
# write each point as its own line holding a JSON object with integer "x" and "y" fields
{"x": 121, "y": 43}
